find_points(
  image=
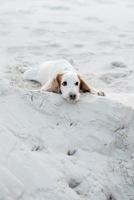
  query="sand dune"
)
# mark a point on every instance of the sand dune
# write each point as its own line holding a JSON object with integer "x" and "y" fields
{"x": 50, "y": 149}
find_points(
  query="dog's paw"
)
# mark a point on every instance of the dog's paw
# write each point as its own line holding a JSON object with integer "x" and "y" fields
{"x": 101, "y": 93}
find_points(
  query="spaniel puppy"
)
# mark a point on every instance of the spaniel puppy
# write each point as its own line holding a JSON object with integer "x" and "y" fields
{"x": 60, "y": 77}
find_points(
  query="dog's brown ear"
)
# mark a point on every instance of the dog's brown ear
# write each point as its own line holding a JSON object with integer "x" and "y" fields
{"x": 84, "y": 87}
{"x": 55, "y": 85}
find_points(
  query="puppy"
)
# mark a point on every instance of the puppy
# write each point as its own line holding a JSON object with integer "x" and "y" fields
{"x": 60, "y": 77}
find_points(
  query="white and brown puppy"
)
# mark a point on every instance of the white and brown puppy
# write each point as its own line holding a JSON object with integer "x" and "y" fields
{"x": 60, "y": 76}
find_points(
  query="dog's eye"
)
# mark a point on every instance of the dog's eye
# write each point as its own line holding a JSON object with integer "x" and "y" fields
{"x": 76, "y": 83}
{"x": 64, "y": 83}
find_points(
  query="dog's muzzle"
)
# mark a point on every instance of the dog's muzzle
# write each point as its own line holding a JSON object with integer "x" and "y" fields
{"x": 72, "y": 96}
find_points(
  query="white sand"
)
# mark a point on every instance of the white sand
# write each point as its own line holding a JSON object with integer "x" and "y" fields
{"x": 50, "y": 149}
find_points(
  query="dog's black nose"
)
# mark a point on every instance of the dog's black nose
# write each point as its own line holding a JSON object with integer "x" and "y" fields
{"x": 72, "y": 96}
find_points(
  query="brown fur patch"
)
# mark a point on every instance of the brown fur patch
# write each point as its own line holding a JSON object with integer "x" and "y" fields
{"x": 55, "y": 85}
{"x": 84, "y": 87}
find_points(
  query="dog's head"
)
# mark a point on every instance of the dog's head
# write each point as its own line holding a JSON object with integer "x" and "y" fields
{"x": 69, "y": 84}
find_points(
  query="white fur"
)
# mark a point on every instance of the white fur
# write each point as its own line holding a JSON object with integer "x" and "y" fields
{"x": 71, "y": 78}
{"x": 47, "y": 71}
